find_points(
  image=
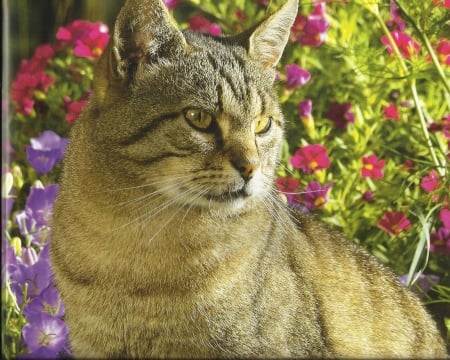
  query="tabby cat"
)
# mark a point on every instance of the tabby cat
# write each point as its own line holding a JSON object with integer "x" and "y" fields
{"x": 169, "y": 238}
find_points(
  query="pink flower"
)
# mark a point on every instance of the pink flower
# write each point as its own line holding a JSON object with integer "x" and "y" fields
{"x": 396, "y": 20}
{"x": 296, "y": 76}
{"x": 315, "y": 195}
{"x": 405, "y": 43}
{"x": 368, "y": 196}
{"x": 340, "y": 114}
{"x": 311, "y": 30}
{"x": 170, "y": 4}
{"x": 431, "y": 181}
{"x": 444, "y": 216}
{"x": 391, "y": 112}
{"x": 200, "y": 23}
{"x": 446, "y": 126}
{"x": 89, "y": 39}
{"x": 74, "y": 108}
{"x": 372, "y": 167}
{"x": 440, "y": 241}
{"x": 289, "y": 187}
{"x": 394, "y": 222}
{"x": 310, "y": 158}
{"x": 443, "y": 51}
{"x": 442, "y": 3}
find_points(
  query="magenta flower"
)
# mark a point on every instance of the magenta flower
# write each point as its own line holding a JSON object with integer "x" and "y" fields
{"x": 46, "y": 151}
{"x": 200, "y": 23}
{"x": 311, "y": 30}
{"x": 315, "y": 195}
{"x": 431, "y": 182}
{"x": 171, "y": 4}
{"x": 443, "y": 51}
{"x": 405, "y": 43}
{"x": 340, "y": 114}
{"x": 305, "y": 113}
{"x": 310, "y": 158}
{"x": 391, "y": 112}
{"x": 74, "y": 108}
{"x": 444, "y": 216}
{"x": 289, "y": 187}
{"x": 368, "y": 196}
{"x": 296, "y": 76}
{"x": 396, "y": 20}
{"x": 45, "y": 331}
{"x": 394, "y": 222}
{"x": 372, "y": 167}
{"x": 89, "y": 39}
{"x": 440, "y": 241}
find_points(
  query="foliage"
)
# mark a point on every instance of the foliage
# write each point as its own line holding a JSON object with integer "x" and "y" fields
{"x": 364, "y": 89}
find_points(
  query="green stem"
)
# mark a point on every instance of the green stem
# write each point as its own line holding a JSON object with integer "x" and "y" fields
{"x": 405, "y": 72}
{"x": 427, "y": 44}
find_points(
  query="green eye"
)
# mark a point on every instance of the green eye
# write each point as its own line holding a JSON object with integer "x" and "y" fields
{"x": 263, "y": 124}
{"x": 198, "y": 119}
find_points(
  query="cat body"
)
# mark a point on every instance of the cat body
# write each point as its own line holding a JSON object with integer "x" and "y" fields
{"x": 168, "y": 237}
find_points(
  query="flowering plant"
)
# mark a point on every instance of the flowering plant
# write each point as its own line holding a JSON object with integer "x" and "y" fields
{"x": 364, "y": 90}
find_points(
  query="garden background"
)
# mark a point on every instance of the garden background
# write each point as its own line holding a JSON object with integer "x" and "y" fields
{"x": 364, "y": 87}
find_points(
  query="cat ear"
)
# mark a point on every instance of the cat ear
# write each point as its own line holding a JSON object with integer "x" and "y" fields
{"x": 143, "y": 34}
{"x": 267, "y": 42}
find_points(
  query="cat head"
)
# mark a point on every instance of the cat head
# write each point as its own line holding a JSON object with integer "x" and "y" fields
{"x": 195, "y": 115}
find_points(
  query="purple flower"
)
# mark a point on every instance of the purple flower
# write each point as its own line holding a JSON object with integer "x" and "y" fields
{"x": 45, "y": 331}
{"x": 423, "y": 285}
{"x": 311, "y": 30}
{"x": 38, "y": 277}
{"x": 48, "y": 302}
{"x": 170, "y": 4}
{"x": 37, "y": 213}
{"x": 46, "y": 151}
{"x": 396, "y": 20}
{"x": 305, "y": 109}
{"x": 315, "y": 195}
{"x": 340, "y": 114}
{"x": 296, "y": 76}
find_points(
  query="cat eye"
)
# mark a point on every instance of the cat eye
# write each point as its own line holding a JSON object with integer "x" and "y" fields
{"x": 198, "y": 119}
{"x": 263, "y": 124}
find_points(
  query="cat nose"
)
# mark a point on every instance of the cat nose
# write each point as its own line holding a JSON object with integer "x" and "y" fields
{"x": 246, "y": 167}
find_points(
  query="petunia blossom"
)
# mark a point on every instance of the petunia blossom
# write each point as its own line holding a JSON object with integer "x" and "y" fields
{"x": 46, "y": 151}
{"x": 171, "y": 4}
{"x": 305, "y": 113}
{"x": 88, "y": 39}
{"x": 311, "y": 30}
{"x": 296, "y": 76}
{"x": 405, "y": 43}
{"x": 200, "y": 23}
{"x": 431, "y": 182}
{"x": 394, "y": 222}
{"x": 395, "y": 21}
{"x": 289, "y": 187}
{"x": 440, "y": 241}
{"x": 372, "y": 167}
{"x": 310, "y": 158}
{"x": 340, "y": 114}
{"x": 423, "y": 285}
{"x": 74, "y": 108}
{"x": 315, "y": 195}
{"x": 391, "y": 112}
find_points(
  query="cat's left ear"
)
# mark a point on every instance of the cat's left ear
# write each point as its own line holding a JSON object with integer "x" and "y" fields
{"x": 267, "y": 42}
{"x": 143, "y": 35}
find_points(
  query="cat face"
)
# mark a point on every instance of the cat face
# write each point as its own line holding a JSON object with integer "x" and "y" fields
{"x": 193, "y": 115}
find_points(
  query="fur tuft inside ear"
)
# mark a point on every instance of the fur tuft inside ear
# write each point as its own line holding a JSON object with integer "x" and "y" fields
{"x": 268, "y": 40}
{"x": 143, "y": 34}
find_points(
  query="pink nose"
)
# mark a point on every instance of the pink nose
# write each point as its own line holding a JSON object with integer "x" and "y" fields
{"x": 246, "y": 168}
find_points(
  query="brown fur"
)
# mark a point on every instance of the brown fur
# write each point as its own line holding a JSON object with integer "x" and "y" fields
{"x": 155, "y": 258}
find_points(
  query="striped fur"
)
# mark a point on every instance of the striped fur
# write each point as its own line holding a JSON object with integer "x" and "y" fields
{"x": 171, "y": 241}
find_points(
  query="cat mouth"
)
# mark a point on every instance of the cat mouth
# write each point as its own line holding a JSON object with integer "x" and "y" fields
{"x": 229, "y": 195}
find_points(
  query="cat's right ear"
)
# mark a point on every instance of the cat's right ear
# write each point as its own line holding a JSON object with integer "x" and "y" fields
{"x": 143, "y": 34}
